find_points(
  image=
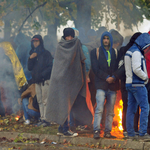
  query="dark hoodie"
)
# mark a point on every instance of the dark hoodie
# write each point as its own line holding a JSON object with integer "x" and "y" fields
{"x": 121, "y": 71}
{"x": 41, "y": 65}
{"x": 100, "y": 66}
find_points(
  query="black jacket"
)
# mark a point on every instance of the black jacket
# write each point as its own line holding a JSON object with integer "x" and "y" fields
{"x": 102, "y": 71}
{"x": 41, "y": 65}
{"x": 121, "y": 69}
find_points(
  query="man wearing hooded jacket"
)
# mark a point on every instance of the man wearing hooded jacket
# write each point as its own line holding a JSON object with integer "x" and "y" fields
{"x": 40, "y": 63}
{"x": 136, "y": 78}
{"x": 104, "y": 64}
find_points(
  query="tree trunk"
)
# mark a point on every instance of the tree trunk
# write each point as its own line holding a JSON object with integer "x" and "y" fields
{"x": 83, "y": 14}
{"x": 7, "y": 30}
{"x": 52, "y": 32}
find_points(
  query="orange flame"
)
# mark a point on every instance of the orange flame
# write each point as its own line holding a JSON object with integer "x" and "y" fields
{"x": 117, "y": 128}
{"x": 17, "y": 118}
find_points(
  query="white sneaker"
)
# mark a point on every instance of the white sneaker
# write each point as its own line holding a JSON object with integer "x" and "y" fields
{"x": 27, "y": 122}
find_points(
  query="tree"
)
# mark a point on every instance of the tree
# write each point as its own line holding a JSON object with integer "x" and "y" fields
{"x": 84, "y": 13}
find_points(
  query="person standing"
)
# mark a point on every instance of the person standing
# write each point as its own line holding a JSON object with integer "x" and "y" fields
{"x": 104, "y": 64}
{"x": 67, "y": 90}
{"x": 40, "y": 63}
{"x": 136, "y": 78}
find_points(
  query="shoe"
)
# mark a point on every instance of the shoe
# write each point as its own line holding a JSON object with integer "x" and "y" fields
{"x": 81, "y": 128}
{"x": 39, "y": 123}
{"x": 137, "y": 133}
{"x": 108, "y": 135}
{"x": 70, "y": 134}
{"x": 96, "y": 134}
{"x": 45, "y": 123}
{"x": 60, "y": 133}
{"x": 125, "y": 134}
{"x": 27, "y": 122}
{"x": 145, "y": 136}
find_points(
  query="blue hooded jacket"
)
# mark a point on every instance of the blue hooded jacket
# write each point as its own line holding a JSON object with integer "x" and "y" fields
{"x": 135, "y": 64}
{"x": 111, "y": 43}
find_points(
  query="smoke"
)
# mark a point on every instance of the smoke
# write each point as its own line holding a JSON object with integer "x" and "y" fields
{"x": 10, "y": 93}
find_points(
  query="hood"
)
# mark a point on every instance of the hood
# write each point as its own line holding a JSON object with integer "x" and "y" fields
{"x": 110, "y": 38}
{"x": 20, "y": 38}
{"x": 124, "y": 49}
{"x": 143, "y": 41}
{"x": 40, "y": 39}
{"x": 40, "y": 48}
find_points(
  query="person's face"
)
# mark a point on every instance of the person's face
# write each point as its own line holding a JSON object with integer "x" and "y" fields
{"x": 68, "y": 38}
{"x": 106, "y": 41}
{"x": 36, "y": 43}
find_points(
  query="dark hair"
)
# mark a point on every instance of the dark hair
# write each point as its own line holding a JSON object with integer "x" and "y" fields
{"x": 117, "y": 37}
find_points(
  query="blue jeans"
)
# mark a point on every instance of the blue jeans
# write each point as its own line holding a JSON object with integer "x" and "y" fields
{"x": 137, "y": 96}
{"x": 110, "y": 102}
{"x": 29, "y": 113}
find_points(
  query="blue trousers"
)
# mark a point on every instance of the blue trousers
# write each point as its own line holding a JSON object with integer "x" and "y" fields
{"x": 137, "y": 96}
{"x": 110, "y": 97}
{"x": 29, "y": 113}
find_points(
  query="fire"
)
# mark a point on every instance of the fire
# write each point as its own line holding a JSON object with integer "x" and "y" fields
{"x": 17, "y": 118}
{"x": 117, "y": 128}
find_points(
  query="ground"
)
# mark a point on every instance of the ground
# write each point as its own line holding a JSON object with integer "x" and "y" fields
{"x": 8, "y": 124}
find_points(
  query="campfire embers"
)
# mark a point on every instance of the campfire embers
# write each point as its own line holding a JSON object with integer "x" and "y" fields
{"x": 17, "y": 118}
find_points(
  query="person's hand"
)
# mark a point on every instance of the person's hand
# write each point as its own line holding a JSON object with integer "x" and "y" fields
{"x": 33, "y": 55}
{"x": 110, "y": 80}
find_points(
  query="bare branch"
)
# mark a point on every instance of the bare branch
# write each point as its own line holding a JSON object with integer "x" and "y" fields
{"x": 42, "y": 5}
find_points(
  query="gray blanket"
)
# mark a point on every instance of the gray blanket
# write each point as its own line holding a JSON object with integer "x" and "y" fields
{"x": 67, "y": 84}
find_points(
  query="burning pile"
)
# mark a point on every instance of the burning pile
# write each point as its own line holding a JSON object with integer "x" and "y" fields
{"x": 117, "y": 129}
{"x": 17, "y": 118}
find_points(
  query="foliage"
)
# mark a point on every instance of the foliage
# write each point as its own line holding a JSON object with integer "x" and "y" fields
{"x": 58, "y": 12}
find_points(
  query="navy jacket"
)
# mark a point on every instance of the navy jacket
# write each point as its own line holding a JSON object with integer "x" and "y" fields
{"x": 101, "y": 69}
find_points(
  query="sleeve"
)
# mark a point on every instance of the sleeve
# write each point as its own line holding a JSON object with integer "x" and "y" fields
{"x": 48, "y": 68}
{"x": 88, "y": 59}
{"x": 95, "y": 67}
{"x": 31, "y": 63}
{"x": 136, "y": 65}
{"x": 26, "y": 92}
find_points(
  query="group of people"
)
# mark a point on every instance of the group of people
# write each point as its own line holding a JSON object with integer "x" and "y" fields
{"x": 61, "y": 89}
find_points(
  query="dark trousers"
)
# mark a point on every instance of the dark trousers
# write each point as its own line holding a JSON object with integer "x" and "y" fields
{"x": 124, "y": 94}
{"x": 125, "y": 105}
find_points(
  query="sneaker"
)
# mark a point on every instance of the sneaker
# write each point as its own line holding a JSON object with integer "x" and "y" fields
{"x": 60, "y": 133}
{"x": 108, "y": 135}
{"x": 96, "y": 134}
{"x": 125, "y": 134}
{"x": 70, "y": 134}
{"x": 145, "y": 136}
{"x": 27, "y": 122}
{"x": 45, "y": 123}
{"x": 39, "y": 123}
{"x": 137, "y": 133}
{"x": 81, "y": 128}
